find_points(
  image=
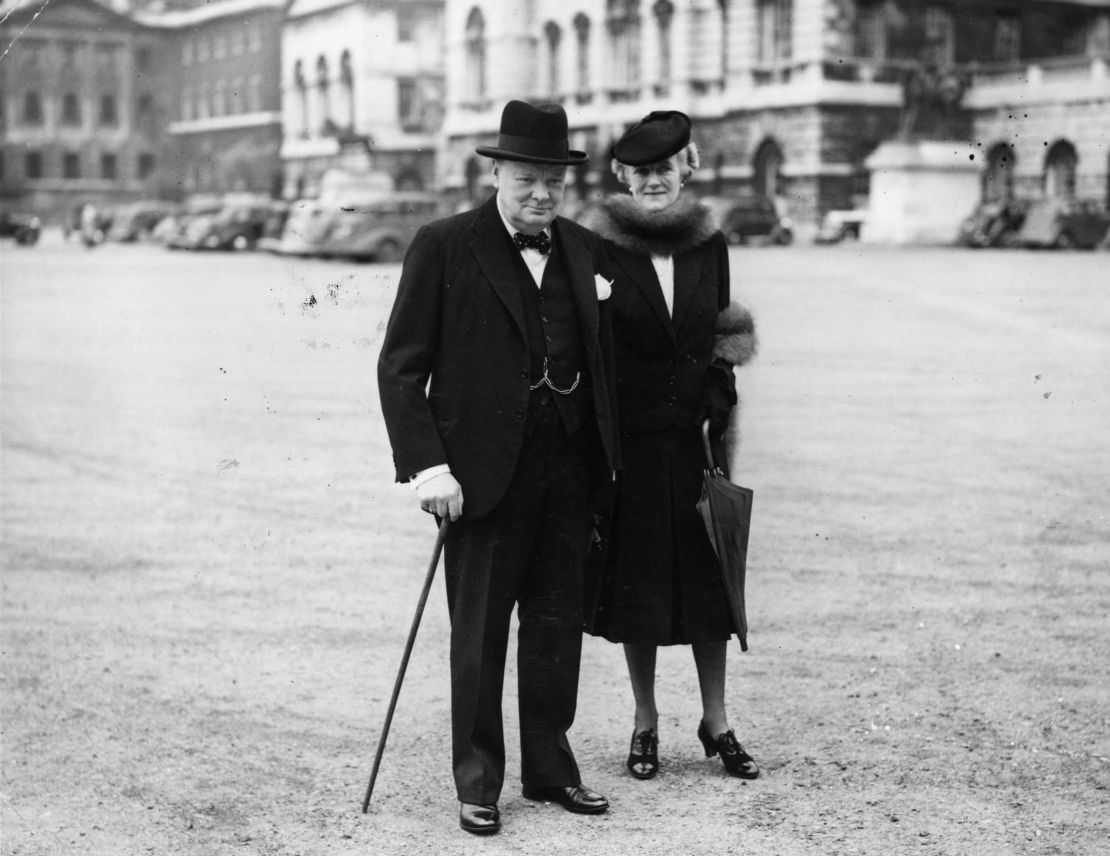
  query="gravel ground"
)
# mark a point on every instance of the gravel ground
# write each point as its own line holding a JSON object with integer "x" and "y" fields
{"x": 208, "y": 575}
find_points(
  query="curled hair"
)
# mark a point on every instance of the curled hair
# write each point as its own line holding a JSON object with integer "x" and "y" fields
{"x": 689, "y": 159}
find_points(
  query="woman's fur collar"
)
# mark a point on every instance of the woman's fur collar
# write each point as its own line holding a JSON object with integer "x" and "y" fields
{"x": 677, "y": 228}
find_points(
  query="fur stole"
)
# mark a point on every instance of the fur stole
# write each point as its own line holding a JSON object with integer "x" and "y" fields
{"x": 677, "y": 228}
{"x": 734, "y": 340}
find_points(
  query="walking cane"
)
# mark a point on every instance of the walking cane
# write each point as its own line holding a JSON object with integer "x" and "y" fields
{"x": 405, "y": 660}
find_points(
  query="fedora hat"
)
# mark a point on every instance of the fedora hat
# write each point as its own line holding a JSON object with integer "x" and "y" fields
{"x": 533, "y": 133}
{"x": 656, "y": 137}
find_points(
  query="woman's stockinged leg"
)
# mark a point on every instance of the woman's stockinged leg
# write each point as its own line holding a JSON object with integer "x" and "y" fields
{"x": 709, "y": 657}
{"x": 641, "y": 673}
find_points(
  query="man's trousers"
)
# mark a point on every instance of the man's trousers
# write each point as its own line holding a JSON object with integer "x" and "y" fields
{"x": 530, "y": 551}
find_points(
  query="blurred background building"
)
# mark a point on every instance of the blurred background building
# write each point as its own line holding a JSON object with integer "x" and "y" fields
{"x": 84, "y": 106}
{"x": 362, "y": 85}
{"x": 789, "y": 97}
{"x": 223, "y": 64}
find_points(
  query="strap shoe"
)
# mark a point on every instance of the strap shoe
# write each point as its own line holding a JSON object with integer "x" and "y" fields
{"x": 738, "y": 762}
{"x": 643, "y": 755}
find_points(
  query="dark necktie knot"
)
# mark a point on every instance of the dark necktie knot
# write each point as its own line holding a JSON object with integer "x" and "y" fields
{"x": 539, "y": 242}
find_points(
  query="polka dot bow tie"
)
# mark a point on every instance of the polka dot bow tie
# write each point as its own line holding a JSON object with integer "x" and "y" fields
{"x": 539, "y": 242}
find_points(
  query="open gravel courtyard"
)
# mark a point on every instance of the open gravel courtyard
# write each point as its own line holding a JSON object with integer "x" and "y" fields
{"x": 208, "y": 575}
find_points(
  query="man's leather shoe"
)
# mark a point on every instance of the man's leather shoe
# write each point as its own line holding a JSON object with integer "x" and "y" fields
{"x": 579, "y": 799}
{"x": 479, "y": 819}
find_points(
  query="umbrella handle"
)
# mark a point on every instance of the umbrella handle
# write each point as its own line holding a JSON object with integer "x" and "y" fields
{"x": 710, "y": 463}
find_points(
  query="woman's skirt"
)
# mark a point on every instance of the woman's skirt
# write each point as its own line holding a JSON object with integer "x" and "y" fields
{"x": 655, "y": 578}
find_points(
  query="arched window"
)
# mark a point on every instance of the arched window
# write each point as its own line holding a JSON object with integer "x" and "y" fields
{"x": 724, "y": 27}
{"x": 237, "y": 95}
{"x": 664, "y": 16}
{"x": 998, "y": 177}
{"x": 346, "y": 92}
{"x": 940, "y": 35}
{"x": 767, "y": 170}
{"x": 1060, "y": 166}
{"x": 775, "y": 26}
{"x": 323, "y": 106}
{"x": 300, "y": 100}
{"x": 553, "y": 36}
{"x": 472, "y": 171}
{"x": 582, "y": 59}
{"x": 475, "y": 55}
{"x": 219, "y": 98}
{"x": 622, "y": 20}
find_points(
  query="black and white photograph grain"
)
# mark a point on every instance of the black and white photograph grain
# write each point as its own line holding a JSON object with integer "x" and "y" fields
{"x": 554, "y": 427}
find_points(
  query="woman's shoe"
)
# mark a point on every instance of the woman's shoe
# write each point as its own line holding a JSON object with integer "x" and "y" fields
{"x": 643, "y": 756}
{"x": 738, "y": 762}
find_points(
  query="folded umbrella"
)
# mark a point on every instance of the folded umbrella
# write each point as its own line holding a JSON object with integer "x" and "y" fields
{"x": 726, "y": 510}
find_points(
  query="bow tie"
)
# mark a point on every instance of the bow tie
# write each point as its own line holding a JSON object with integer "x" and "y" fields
{"x": 539, "y": 242}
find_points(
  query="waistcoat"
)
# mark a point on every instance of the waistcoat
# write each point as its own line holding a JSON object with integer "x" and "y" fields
{"x": 554, "y": 333}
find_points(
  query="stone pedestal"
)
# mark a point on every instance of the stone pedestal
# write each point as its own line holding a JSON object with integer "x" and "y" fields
{"x": 920, "y": 191}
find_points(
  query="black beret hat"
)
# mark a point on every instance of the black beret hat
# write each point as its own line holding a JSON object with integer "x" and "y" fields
{"x": 656, "y": 137}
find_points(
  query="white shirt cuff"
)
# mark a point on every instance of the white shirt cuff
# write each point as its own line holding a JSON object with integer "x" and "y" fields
{"x": 430, "y": 473}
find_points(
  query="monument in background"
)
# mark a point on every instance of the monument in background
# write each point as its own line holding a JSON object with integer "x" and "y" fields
{"x": 925, "y": 180}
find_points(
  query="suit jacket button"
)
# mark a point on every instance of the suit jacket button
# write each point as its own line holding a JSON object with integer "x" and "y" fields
{"x": 519, "y": 413}
{"x": 524, "y": 373}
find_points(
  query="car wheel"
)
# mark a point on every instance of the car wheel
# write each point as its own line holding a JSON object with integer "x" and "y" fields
{"x": 1063, "y": 242}
{"x": 389, "y": 251}
{"x": 734, "y": 237}
{"x": 784, "y": 238}
{"x": 240, "y": 242}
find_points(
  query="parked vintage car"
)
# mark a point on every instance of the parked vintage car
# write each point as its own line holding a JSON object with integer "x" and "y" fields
{"x": 306, "y": 226}
{"x": 377, "y": 229}
{"x": 744, "y": 218}
{"x": 24, "y": 228}
{"x": 237, "y": 225}
{"x": 841, "y": 225}
{"x": 993, "y": 224}
{"x": 192, "y": 222}
{"x": 1063, "y": 223}
{"x": 135, "y": 221}
{"x": 272, "y": 229}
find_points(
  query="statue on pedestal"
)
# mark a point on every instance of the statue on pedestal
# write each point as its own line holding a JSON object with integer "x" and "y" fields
{"x": 931, "y": 94}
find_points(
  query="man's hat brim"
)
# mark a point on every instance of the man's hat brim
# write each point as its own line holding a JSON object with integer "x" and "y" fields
{"x": 573, "y": 157}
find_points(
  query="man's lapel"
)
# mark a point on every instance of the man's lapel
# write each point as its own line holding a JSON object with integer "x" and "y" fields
{"x": 578, "y": 261}
{"x": 492, "y": 250}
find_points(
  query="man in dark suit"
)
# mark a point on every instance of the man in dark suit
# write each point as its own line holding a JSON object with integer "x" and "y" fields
{"x": 495, "y": 388}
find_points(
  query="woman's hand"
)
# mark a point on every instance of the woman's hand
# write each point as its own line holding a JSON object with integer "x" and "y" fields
{"x": 718, "y": 398}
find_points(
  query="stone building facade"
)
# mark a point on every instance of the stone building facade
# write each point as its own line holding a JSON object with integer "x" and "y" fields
{"x": 223, "y": 64}
{"x": 363, "y": 92}
{"x": 83, "y": 107}
{"x": 788, "y": 97}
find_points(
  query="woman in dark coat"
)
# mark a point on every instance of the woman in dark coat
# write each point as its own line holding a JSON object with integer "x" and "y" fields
{"x": 677, "y": 339}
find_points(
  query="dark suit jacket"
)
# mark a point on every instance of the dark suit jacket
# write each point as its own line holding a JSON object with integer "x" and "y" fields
{"x": 661, "y": 361}
{"x": 458, "y": 322}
